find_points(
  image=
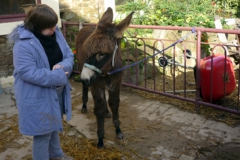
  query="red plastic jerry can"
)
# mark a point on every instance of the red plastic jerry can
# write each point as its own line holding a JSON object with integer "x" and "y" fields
{"x": 218, "y": 78}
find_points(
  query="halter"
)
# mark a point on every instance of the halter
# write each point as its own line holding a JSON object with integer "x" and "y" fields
{"x": 92, "y": 67}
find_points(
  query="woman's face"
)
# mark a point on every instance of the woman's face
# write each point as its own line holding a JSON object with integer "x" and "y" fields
{"x": 48, "y": 31}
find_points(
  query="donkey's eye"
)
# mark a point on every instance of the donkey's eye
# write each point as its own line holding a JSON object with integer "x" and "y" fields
{"x": 101, "y": 54}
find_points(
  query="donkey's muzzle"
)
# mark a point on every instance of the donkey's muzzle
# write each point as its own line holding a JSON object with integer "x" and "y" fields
{"x": 86, "y": 82}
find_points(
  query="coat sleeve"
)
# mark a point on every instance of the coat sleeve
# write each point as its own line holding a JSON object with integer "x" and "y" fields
{"x": 31, "y": 69}
{"x": 68, "y": 56}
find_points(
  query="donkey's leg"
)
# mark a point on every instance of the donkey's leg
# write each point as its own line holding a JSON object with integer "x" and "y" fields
{"x": 100, "y": 107}
{"x": 108, "y": 114}
{"x": 114, "y": 100}
{"x": 84, "y": 98}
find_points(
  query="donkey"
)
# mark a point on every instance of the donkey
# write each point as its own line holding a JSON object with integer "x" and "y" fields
{"x": 98, "y": 53}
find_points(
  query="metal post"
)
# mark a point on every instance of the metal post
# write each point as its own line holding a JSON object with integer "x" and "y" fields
{"x": 198, "y": 87}
{"x": 1, "y": 89}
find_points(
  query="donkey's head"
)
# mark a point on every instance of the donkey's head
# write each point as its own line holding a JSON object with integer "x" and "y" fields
{"x": 102, "y": 46}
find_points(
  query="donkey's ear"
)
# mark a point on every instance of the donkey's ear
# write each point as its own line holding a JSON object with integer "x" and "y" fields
{"x": 107, "y": 16}
{"x": 123, "y": 25}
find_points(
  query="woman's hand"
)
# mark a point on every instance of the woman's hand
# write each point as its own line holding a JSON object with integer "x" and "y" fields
{"x": 56, "y": 66}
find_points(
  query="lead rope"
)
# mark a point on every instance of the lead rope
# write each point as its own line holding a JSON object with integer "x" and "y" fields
{"x": 135, "y": 63}
{"x": 114, "y": 53}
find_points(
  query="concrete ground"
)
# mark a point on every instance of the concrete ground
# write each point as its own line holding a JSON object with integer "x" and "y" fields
{"x": 152, "y": 130}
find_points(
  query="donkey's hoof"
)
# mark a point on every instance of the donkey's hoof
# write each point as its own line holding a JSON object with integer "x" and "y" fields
{"x": 108, "y": 115}
{"x": 84, "y": 110}
{"x": 120, "y": 136}
{"x": 100, "y": 145}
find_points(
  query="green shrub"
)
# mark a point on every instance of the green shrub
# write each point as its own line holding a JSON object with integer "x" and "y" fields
{"x": 199, "y": 13}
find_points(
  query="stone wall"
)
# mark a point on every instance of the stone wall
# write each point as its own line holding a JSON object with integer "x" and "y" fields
{"x": 6, "y": 61}
{"x": 88, "y": 11}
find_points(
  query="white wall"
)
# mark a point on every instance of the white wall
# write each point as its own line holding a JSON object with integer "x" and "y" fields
{"x": 55, "y": 5}
{"x": 110, "y": 3}
{"x": 6, "y": 28}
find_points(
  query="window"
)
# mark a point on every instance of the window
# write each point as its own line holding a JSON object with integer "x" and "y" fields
{"x": 15, "y": 10}
{"x": 9, "y": 20}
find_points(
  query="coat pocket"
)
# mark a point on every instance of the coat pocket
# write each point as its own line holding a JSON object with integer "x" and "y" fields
{"x": 34, "y": 100}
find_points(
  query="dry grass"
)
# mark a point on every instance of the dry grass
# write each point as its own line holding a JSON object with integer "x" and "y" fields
{"x": 73, "y": 143}
{"x": 80, "y": 147}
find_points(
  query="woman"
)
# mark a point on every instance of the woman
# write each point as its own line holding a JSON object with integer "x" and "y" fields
{"x": 43, "y": 62}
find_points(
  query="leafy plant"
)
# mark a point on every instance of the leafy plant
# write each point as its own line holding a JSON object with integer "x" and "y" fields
{"x": 227, "y": 8}
{"x": 198, "y": 13}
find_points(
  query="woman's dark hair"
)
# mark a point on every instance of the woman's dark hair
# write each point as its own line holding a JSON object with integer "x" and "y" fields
{"x": 40, "y": 17}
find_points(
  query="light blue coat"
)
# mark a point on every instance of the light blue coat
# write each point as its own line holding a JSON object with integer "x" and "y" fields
{"x": 34, "y": 85}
